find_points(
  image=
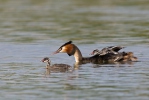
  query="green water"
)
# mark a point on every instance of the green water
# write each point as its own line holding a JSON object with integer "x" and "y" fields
{"x": 33, "y": 29}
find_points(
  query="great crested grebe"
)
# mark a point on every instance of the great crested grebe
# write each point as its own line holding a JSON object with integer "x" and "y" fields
{"x": 72, "y": 49}
{"x": 56, "y": 67}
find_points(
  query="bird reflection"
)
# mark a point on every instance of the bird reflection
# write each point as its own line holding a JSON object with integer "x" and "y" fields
{"x": 115, "y": 64}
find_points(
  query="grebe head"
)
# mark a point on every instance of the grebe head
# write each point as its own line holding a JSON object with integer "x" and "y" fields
{"x": 96, "y": 51}
{"x": 46, "y": 60}
{"x": 66, "y": 48}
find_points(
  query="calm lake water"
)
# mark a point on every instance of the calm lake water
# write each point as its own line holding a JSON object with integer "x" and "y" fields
{"x": 33, "y": 29}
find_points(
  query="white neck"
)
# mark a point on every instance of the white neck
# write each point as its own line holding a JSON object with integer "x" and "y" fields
{"x": 48, "y": 63}
{"x": 77, "y": 54}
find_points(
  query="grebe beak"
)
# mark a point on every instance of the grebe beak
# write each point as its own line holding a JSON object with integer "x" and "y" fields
{"x": 92, "y": 53}
{"x": 55, "y": 52}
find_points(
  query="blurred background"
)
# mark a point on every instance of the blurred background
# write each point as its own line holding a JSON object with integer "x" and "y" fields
{"x": 84, "y": 21}
{"x": 33, "y": 29}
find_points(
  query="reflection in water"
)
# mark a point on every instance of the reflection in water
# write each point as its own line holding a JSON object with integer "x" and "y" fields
{"x": 113, "y": 64}
{"x": 49, "y": 71}
{"x": 67, "y": 86}
{"x": 116, "y": 64}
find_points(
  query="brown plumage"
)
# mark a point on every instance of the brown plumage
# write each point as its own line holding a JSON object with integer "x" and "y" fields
{"x": 107, "y": 50}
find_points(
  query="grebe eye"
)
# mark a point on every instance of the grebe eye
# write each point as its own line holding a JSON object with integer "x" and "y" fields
{"x": 60, "y": 49}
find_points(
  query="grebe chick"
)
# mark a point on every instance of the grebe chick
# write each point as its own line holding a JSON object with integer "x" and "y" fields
{"x": 72, "y": 49}
{"x": 110, "y": 49}
{"x": 56, "y": 67}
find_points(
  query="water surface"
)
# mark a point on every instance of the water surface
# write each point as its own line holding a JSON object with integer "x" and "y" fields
{"x": 33, "y": 29}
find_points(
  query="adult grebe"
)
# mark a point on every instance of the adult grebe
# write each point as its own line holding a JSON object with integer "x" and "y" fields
{"x": 72, "y": 49}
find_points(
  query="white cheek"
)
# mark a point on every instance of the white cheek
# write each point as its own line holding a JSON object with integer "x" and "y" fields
{"x": 45, "y": 61}
{"x": 63, "y": 49}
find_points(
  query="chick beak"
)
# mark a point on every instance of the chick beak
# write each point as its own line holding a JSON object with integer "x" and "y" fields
{"x": 92, "y": 53}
